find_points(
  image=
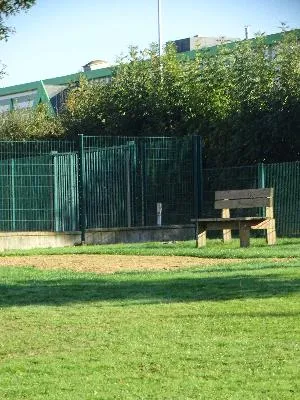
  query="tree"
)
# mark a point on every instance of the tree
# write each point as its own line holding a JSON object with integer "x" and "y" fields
{"x": 84, "y": 110}
{"x": 242, "y": 98}
{"x": 249, "y": 93}
{"x": 147, "y": 95}
{"x": 8, "y": 8}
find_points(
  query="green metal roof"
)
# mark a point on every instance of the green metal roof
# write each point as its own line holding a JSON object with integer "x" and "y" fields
{"x": 45, "y": 90}
{"x": 60, "y": 80}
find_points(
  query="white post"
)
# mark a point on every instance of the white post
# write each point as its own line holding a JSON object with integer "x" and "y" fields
{"x": 159, "y": 213}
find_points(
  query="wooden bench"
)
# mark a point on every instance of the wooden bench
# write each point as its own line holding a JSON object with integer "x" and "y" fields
{"x": 233, "y": 199}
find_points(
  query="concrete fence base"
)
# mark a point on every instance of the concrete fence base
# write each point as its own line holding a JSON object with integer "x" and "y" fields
{"x": 30, "y": 240}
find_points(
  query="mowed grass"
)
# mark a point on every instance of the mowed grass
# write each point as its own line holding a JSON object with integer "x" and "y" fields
{"x": 285, "y": 247}
{"x": 223, "y": 332}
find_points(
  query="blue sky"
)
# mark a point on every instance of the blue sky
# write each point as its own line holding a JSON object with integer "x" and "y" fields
{"x": 57, "y": 37}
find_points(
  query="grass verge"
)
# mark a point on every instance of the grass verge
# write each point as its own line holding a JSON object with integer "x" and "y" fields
{"x": 285, "y": 248}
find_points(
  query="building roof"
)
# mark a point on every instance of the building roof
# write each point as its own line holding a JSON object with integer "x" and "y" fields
{"x": 47, "y": 88}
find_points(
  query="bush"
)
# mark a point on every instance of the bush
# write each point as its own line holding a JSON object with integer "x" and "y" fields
{"x": 27, "y": 124}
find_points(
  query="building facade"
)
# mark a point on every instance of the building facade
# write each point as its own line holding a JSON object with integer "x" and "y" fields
{"x": 51, "y": 92}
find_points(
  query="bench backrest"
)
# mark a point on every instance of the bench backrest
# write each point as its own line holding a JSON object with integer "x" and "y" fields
{"x": 246, "y": 198}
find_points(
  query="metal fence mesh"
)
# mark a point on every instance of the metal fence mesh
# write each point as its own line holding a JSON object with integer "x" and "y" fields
{"x": 126, "y": 177}
{"x": 101, "y": 182}
{"x": 283, "y": 177}
{"x": 27, "y": 184}
{"x": 105, "y": 182}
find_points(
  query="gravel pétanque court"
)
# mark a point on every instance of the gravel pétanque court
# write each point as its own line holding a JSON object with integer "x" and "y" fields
{"x": 111, "y": 263}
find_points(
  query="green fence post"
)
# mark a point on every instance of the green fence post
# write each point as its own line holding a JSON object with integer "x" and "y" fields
{"x": 197, "y": 174}
{"x": 73, "y": 189}
{"x": 142, "y": 150}
{"x": 128, "y": 185}
{"x": 13, "y": 194}
{"x": 261, "y": 175}
{"x": 81, "y": 189}
{"x": 261, "y": 181}
{"x": 55, "y": 192}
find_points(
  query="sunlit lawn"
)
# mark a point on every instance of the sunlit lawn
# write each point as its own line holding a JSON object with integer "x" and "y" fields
{"x": 225, "y": 332}
{"x": 285, "y": 247}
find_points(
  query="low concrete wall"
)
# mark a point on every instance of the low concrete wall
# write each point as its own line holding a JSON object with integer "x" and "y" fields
{"x": 30, "y": 240}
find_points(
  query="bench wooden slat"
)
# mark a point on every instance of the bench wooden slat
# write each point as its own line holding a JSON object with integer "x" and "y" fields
{"x": 244, "y": 203}
{"x": 234, "y": 224}
{"x": 243, "y": 194}
{"x": 228, "y": 219}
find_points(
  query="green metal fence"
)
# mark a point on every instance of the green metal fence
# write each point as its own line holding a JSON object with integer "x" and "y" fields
{"x": 283, "y": 177}
{"x": 95, "y": 182}
{"x": 125, "y": 178}
{"x": 65, "y": 191}
{"x": 105, "y": 182}
{"x": 27, "y": 184}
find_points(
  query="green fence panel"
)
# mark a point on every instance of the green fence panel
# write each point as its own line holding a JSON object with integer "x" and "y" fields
{"x": 285, "y": 178}
{"x": 168, "y": 179}
{"x": 108, "y": 186}
{"x": 27, "y": 184}
{"x": 6, "y": 194}
{"x": 65, "y": 197}
{"x": 31, "y": 193}
{"x": 224, "y": 179}
{"x": 126, "y": 177}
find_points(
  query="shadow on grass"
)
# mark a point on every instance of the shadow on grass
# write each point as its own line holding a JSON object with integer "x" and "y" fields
{"x": 145, "y": 290}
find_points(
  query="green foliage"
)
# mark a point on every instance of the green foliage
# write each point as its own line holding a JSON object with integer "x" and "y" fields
{"x": 146, "y": 96}
{"x": 264, "y": 123}
{"x": 8, "y": 8}
{"x": 84, "y": 111}
{"x": 26, "y": 124}
{"x": 242, "y": 98}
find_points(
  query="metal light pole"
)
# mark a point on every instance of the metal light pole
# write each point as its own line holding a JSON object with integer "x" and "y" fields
{"x": 159, "y": 27}
{"x": 246, "y": 32}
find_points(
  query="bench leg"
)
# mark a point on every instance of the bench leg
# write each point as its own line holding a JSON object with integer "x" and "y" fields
{"x": 226, "y": 235}
{"x": 226, "y": 232}
{"x": 271, "y": 233}
{"x": 201, "y": 236}
{"x": 244, "y": 233}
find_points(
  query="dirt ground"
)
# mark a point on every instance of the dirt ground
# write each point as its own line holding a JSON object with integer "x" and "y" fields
{"x": 109, "y": 263}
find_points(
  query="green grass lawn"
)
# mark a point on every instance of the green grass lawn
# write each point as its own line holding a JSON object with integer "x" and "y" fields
{"x": 222, "y": 332}
{"x": 285, "y": 247}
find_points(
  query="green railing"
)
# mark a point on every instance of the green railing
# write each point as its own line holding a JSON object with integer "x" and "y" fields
{"x": 27, "y": 184}
{"x": 96, "y": 182}
{"x": 125, "y": 178}
{"x": 105, "y": 182}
